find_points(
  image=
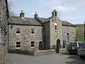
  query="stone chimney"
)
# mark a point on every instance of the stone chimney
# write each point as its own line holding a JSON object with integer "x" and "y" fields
{"x": 35, "y": 15}
{"x": 22, "y": 14}
{"x": 54, "y": 13}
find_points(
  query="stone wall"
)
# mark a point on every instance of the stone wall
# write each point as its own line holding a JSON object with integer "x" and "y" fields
{"x": 55, "y": 34}
{"x": 3, "y": 21}
{"x": 25, "y": 37}
{"x": 3, "y": 25}
{"x": 59, "y": 31}
{"x": 52, "y": 33}
{"x": 71, "y": 31}
{"x": 46, "y": 35}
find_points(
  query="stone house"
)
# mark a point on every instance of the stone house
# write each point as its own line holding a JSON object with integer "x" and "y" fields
{"x": 32, "y": 34}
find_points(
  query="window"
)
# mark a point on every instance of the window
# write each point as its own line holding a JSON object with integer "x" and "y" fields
{"x": 64, "y": 44}
{"x": 55, "y": 26}
{"x": 17, "y": 30}
{"x": 32, "y": 31}
{"x": 32, "y": 44}
{"x": 18, "y": 45}
{"x": 40, "y": 45}
{"x": 68, "y": 37}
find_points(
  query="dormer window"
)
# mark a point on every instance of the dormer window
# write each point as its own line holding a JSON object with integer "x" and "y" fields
{"x": 32, "y": 31}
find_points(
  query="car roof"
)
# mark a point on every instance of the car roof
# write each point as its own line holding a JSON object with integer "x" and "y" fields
{"x": 77, "y": 42}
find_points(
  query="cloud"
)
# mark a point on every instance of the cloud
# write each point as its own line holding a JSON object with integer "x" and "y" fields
{"x": 82, "y": 2}
{"x": 66, "y": 9}
{"x": 59, "y": 5}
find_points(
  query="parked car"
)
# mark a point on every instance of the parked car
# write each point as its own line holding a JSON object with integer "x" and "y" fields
{"x": 72, "y": 47}
{"x": 81, "y": 50}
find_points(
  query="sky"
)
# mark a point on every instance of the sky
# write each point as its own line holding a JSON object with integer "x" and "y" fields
{"x": 68, "y": 10}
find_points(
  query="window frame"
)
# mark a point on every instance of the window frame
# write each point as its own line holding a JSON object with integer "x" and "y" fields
{"x": 68, "y": 36}
{"x": 17, "y": 31}
{"x": 32, "y": 31}
{"x": 32, "y": 44}
{"x": 17, "y": 44}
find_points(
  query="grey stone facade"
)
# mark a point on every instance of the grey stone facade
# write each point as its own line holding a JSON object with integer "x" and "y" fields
{"x": 25, "y": 37}
{"x": 3, "y": 27}
{"x": 48, "y": 32}
{"x": 72, "y": 33}
{"x": 3, "y": 21}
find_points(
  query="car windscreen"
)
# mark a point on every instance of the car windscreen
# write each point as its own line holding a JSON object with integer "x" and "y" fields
{"x": 74, "y": 44}
{"x": 82, "y": 45}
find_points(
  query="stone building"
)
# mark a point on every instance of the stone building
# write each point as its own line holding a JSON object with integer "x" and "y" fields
{"x": 32, "y": 34}
{"x": 3, "y": 27}
{"x": 69, "y": 32}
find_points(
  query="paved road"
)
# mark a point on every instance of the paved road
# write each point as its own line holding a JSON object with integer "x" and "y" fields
{"x": 46, "y": 59}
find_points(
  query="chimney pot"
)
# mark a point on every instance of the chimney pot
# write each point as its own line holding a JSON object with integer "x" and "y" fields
{"x": 22, "y": 13}
{"x": 36, "y": 15}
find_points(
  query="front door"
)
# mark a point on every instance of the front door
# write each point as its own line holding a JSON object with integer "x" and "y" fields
{"x": 57, "y": 46}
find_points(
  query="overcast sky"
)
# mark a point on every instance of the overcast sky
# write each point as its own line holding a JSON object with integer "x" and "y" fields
{"x": 68, "y": 10}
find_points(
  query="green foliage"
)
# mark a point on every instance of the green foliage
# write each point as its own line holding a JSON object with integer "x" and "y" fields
{"x": 80, "y": 32}
{"x": 80, "y": 37}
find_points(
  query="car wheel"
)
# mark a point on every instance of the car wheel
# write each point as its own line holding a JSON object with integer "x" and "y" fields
{"x": 82, "y": 57}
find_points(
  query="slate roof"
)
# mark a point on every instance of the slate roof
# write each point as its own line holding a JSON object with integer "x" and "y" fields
{"x": 33, "y": 21}
{"x": 42, "y": 19}
{"x": 66, "y": 23}
{"x": 23, "y": 21}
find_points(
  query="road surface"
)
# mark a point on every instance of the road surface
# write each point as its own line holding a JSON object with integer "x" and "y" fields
{"x": 59, "y": 58}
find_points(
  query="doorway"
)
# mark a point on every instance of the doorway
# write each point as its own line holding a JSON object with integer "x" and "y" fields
{"x": 40, "y": 45}
{"x": 57, "y": 45}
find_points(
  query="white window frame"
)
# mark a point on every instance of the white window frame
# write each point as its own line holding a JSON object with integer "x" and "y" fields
{"x": 34, "y": 44}
{"x": 17, "y": 47}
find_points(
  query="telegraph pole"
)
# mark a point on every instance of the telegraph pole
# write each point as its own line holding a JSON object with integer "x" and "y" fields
{"x": 3, "y": 55}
